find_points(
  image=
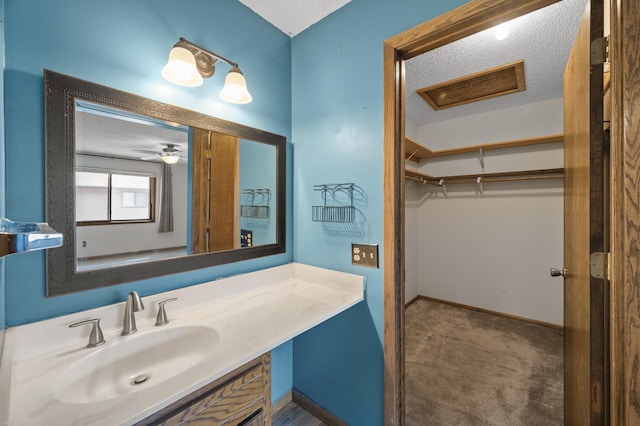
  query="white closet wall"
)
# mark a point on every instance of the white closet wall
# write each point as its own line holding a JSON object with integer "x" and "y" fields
{"x": 410, "y": 129}
{"x": 526, "y": 121}
{"x": 490, "y": 250}
{"x": 411, "y": 252}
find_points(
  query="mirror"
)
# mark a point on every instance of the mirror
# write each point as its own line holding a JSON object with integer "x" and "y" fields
{"x": 142, "y": 189}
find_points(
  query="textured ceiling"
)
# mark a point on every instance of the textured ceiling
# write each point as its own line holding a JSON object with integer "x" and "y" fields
{"x": 293, "y": 16}
{"x": 117, "y": 136}
{"x": 542, "y": 38}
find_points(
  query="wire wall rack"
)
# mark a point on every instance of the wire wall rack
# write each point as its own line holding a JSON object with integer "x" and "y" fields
{"x": 259, "y": 199}
{"x": 337, "y": 203}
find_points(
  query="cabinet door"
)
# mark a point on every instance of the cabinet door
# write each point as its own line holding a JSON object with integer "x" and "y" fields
{"x": 229, "y": 404}
{"x": 242, "y": 397}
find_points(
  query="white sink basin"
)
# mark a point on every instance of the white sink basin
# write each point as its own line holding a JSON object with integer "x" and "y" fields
{"x": 134, "y": 363}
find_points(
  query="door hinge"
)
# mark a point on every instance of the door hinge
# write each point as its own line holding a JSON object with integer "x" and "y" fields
{"x": 600, "y": 265}
{"x": 600, "y": 51}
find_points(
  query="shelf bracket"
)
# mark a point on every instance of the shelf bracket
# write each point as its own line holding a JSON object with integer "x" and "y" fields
{"x": 481, "y": 158}
{"x": 442, "y": 184}
{"x": 410, "y": 157}
{"x": 480, "y": 185}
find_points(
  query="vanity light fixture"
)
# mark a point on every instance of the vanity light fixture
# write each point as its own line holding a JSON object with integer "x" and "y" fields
{"x": 189, "y": 64}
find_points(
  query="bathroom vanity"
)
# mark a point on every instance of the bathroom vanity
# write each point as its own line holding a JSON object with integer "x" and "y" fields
{"x": 240, "y": 397}
{"x": 212, "y": 360}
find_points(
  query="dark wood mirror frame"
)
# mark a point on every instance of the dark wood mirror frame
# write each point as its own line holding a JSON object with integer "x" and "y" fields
{"x": 61, "y": 93}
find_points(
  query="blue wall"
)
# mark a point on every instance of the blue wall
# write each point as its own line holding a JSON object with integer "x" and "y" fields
{"x": 337, "y": 119}
{"x": 124, "y": 44}
{"x": 281, "y": 370}
{"x": 258, "y": 171}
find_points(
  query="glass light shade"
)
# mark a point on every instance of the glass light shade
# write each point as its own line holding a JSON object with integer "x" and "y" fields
{"x": 170, "y": 158}
{"x": 181, "y": 68}
{"x": 235, "y": 88}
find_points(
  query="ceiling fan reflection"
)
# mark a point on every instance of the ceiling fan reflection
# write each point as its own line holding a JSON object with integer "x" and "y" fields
{"x": 170, "y": 154}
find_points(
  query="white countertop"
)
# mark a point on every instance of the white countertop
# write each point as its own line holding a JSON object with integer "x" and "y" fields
{"x": 253, "y": 313}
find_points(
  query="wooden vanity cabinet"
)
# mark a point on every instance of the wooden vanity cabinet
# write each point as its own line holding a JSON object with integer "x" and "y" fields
{"x": 242, "y": 397}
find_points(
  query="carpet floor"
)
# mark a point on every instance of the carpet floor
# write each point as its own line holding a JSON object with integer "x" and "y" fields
{"x": 471, "y": 368}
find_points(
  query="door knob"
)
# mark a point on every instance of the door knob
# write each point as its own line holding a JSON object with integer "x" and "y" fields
{"x": 558, "y": 272}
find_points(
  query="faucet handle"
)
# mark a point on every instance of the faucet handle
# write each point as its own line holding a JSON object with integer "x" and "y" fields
{"x": 162, "y": 319}
{"x": 96, "y": 338}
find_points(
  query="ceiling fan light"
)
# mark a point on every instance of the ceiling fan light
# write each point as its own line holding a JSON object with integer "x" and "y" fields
{"x": 235, "y": 88}
{"x": 170, "y": 158}
{"x": 181, "y": 68}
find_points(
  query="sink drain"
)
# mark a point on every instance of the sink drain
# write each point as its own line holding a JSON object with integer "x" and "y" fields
{"x": 140, "y": 379}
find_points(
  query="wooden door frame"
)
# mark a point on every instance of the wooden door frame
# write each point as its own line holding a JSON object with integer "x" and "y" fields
{"x": 625, "y": 213}
{"x": 468, "y": 19}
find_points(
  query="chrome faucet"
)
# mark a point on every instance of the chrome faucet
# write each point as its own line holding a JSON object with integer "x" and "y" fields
{"x": 96, "y": 338}
{"x": 133, "y": 304}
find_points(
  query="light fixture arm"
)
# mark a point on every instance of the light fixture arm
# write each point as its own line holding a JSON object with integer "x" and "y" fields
{"x": 199, "y": 49}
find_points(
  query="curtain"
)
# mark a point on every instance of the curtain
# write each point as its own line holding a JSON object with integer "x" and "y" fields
{"x": 165, "y": 222}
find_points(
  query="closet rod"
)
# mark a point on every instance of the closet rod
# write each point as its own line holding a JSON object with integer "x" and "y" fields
{"x": 495, "y": 177}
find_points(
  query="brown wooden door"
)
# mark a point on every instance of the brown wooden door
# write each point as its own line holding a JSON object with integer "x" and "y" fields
{"x": 200, "y": 183}
{"x": 224, "y": 192}
{"x": 584, "y": 296}
{"x": 215, "y": 192}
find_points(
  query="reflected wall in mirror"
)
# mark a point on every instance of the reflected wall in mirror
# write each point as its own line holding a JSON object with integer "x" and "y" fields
{"x": 120, "y": 184}
{"x": 143, "y": 189}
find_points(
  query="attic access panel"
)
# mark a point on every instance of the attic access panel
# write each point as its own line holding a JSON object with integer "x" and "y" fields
{"x": 498, "y": 81}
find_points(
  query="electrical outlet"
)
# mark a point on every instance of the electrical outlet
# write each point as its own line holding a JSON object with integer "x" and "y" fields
{"x": 246, "y": 238}
{"x": 84, "y": 244}
{"x": 364, "y": 255}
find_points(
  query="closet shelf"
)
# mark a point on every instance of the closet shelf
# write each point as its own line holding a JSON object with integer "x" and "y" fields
{"x": 485, "y": 177}
{"x": 416, "y": 152}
